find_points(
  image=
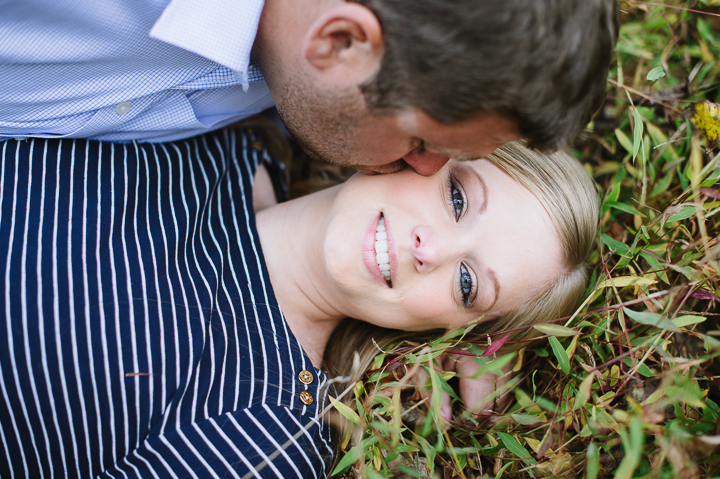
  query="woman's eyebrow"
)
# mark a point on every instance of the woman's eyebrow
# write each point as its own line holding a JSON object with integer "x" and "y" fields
{"x": 496, "y": 288}
{"x": 483, "y": 190}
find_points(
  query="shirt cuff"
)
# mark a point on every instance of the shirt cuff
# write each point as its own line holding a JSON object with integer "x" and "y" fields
{"x": 220, "y": 30}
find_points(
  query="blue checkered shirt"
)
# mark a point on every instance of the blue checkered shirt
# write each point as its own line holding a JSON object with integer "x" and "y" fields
{"x": 123, "y": 70}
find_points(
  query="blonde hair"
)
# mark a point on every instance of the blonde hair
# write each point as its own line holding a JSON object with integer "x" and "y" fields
{"x": 569, "y": 196}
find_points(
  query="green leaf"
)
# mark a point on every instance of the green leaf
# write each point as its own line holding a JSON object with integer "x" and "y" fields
{"x": 643, "y": 370}
{"x": 371, "y": 474}
{"x": 560, "y": 354}
{"x": 503, "y": 469}
{"x": 656, "y": 73}
{"x": 687, "y": 320}
{"x": 615, "y": 245}
{"x": 516, "y": 448}
{"x": 651, "y": 319}
{"x": 583, "y": 394}
{"x": 633, "y": 445}
{"x": 495, "y": 365}
{"x": 427, "y": 449}
{"x": 526, "y": 419}
{"x": 541, "y": 353}
{"x": 684, "y": 214}
{"x": 637, "y": 131}
{"x": 623, "y": 207}
{"x": 593, "y": 461}
{"x": 354, "y": 454}
{"x": 436, "y": 391}
{"x": 624, "y": 141}
{"x": 662, "y": 185}
{"x": 446, "y": 388}
{"x": 656, "y": 265}
{"x": 555, "y": 330}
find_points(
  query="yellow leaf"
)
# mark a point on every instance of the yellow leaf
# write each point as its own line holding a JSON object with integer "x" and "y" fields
{"x": 653, "y": 397}
{"x": 606, "y": 420}
{"x": 707, "y": 119}
{"x": 622, "y": 281}
{"x": 351, "y": 415}
{"x": 533, "y": 443}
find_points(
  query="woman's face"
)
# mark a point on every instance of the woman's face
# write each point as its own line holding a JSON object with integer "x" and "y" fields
{"x": 466, "y": 242}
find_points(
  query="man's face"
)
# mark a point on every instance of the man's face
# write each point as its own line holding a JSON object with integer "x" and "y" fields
{"x": 336, "y": 126}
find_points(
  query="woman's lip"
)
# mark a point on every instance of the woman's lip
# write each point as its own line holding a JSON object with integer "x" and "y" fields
{"x": 368, "y": 251}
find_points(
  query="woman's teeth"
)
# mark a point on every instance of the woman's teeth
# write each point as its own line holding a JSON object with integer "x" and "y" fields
{"x": 381, "y": 250}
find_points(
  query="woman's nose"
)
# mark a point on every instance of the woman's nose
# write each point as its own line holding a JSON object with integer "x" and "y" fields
{"x": 427, "y": 249}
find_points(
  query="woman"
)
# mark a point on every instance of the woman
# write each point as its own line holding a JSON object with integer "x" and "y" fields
{"x": 144, "y": 337}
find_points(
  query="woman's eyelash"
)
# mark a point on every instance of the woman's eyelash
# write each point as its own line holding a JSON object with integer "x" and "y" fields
{"x": 466, "y": 286}
{"x": 456, "y": 198}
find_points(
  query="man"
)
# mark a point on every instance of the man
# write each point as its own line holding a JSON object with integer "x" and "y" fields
{"x": 365, "y": 84}
{"x": 375, "y": 84}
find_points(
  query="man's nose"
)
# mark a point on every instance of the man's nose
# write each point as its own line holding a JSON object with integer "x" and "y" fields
{"x": 428, "y": 249}
{"x": 425, "y": 162}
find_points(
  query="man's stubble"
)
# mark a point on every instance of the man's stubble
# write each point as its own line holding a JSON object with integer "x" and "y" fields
{"x": 323, "y": 123}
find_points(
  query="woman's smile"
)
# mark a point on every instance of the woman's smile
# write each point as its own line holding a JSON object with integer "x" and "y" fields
{"x": 379, "y": 251}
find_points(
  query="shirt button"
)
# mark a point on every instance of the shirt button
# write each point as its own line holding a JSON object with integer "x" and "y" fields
{"x": 306, "y": 398}
{"x": 305, "y": 377}
{"x": 256, "y": 145}
{"x": 122, "y": 108}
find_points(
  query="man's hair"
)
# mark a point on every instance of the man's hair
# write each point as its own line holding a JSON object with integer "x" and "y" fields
{"x": 542, "y": 63}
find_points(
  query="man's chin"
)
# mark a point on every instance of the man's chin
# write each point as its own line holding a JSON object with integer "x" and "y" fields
{"x": 393, "y": 167}
{"x": 342, "y": 160}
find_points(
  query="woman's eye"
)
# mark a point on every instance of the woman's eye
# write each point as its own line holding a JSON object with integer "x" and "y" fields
{"x": 465, "y": 285}
{"x": 457, "y": 200}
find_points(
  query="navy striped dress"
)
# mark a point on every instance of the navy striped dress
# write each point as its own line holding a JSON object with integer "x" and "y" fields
{"x": 140, "y": 333}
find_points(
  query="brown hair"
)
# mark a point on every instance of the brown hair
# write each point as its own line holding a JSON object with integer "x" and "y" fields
{"x": 542, "y": 63}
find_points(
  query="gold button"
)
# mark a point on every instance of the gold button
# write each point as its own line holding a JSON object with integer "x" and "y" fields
{"x": 305, "y": 377}
{"x": 306, "y": 397}
{"x": 256, "y": 145}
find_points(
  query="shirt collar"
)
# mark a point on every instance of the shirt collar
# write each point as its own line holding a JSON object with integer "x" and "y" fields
{"x": 220, "y": 30}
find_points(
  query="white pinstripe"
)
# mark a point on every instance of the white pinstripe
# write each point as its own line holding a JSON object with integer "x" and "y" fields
{"x": 130, "y": 299}
{"x": 291, "y": 437}
{"x": 143, "y": 287}
{"x": 178, "y": 456}
{"x": 88, "y": 329}
{"x": 116, "y": 308}
{"x": 247, "y": 274}
{"x": 26, "y": 338}
{"x": 254, "y": 446}
{"x": 232, "y": 445}
{"x": 2, "y": 383}
{"x": 11, "y": 347}
{"x": 262, "y": 282}
{"x": 101, "y": 310}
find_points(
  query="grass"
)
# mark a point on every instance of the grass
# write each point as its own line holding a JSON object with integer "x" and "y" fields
{"x": 628, "y": 386}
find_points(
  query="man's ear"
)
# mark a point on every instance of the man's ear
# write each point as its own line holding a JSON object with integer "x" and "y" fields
{"x": 346, "y": 40}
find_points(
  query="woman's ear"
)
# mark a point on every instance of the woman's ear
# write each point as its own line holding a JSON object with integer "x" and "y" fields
{"x": 345, "y": 41}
